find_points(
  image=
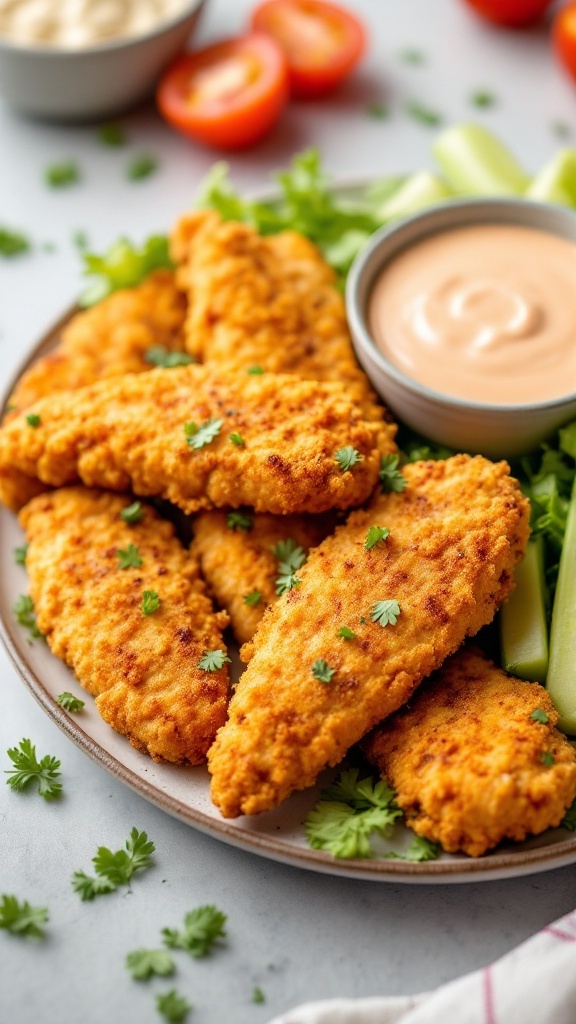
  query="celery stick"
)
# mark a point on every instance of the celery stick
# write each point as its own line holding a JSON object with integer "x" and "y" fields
{"x": 556, "y": 182}
{"x": 523, "y": 629}
{"x": 419, "y": 191}
{"x": 476, "y": 163}
{"x": 561, "y": 682}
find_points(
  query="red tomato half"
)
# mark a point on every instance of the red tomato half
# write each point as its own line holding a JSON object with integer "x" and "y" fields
{"x": 322, "y": 42}
{"x": 564, "y": 36}
{"x": 228, "y": 95}
{"x": 511, "y": 13}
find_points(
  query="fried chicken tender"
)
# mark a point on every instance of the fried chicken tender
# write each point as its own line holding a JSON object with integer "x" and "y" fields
{"x": 470, "y": 764}
{"x": 456, "y": 533}
{"x": 142, "y": 669}
{"x": 237, "y": 562}
{"x": 108, "y": 340}
{"x": 128, "y": 433}
{"x": 266, "y": 301}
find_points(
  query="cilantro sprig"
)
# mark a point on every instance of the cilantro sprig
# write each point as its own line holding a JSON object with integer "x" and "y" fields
{"x": 143, "y": 963}
{"x": 150, "y": 602}
{"x": 240, "y": 521}
{"x": 375, "y": 535}
{"x": 114, "y": 869}
{"x": 213, "y": 661}
{"x": 347, "y": 458}
{"x": 173, "y": 1007}
{"x": 12, "y": 243}
{"x": 290, "y": 558}
{"x": 129, "y": 558}
{"x": 20, "y": 554}
{"x": 203, "y": 928}
{"x": 253, "y": 598}
{"x": 123, "y": 265}
{"x": 69, "y": 702}
{"x": 322, "y": 672}
{"x": 385, "y": 613}
{"x": 348, "y": 813}
{"x": 21, "y": 918}
{"x": 132, "y": 513}
{"x": 28, "y": 770}
{"x": 198, "y": 436}
{"x": 419, "y": 849}
{"x": 390, "y": 476}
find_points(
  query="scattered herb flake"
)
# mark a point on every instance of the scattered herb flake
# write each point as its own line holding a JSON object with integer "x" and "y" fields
{"x": 173, "y": 1007}
{"x": 213, "y": 661}
{"x": 420, "y": 849}
{"x": 143, "y": 963}
{"x": 114, "y": 869}
{"x": 347, "y": 458}
{"x": 547, "y": 759}
{"x": 33, "y": 420}
{"x": 253, "y": 598}
{"x": 375, "y": 535}
{"x": 69, "y": 702}
{"x": 258, "y": 995}
{"x": 561, "y": 129}
{"x": 26, "y": 616}
{"x": 237, "y": 439}
{"x": 62, "y": 175}
{"x": 150, "y": 602}
{"x": 483, "y": 99}
{"x": 240, "y": 521}
{"x": 203, "y": 927}
{"x": 255, "y": 371}
{"x": 290, "y": 557}
{"x": 199, "y": 436}
{"x": 12, "y": 243}
{"x": 159, "y": 355}
{"x": 569, "y": 819}
{"x": 80, "y": 240}
{"x": 424, "y": 115}
{"x": 540, "y": 716}
{"x": 129, "y": 558}
{"x": 286, "y": 582}
{"x": 112, "y": 134}
{"x": 390, "y": 476}
{"x": 28, "y": 769}
{"x": 22, "y": 918}
{"x": 132, "y": 513}
{"x": 378, "y": 111}
{"x": 412, "y": 56}
{"x": 385, "y": 613}
{"x": 322, "y": 672}
{"x": 348, "y": 813}
{"x": 20, "y": 554}
{"x": 141, "y": 167}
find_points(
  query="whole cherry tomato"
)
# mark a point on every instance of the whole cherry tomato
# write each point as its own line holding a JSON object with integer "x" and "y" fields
{"x": 511, "y": 13}
{"x": 564, "y": 37}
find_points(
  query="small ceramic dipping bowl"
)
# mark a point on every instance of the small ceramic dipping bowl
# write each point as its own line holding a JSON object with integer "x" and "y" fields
{"x": 497, "y": 431}
{"x": 95, "y": 82}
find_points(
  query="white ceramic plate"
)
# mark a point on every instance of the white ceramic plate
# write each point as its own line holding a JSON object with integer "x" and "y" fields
{"x": 184, "y": 792}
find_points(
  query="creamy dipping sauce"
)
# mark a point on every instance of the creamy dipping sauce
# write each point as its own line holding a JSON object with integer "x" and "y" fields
{"x": 76, "y": 24}
{"x": 485, "y": 313}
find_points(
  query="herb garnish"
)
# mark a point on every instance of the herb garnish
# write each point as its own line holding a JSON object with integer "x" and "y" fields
{"x": 28, "y": 769}
{"x": 159, "y": 355}
{"x": 290, "y": 558}
{"x": 412, "y": 56}
{"x": 203, "y": 926}
{"x": 258, "y": 995}
{"x": 69, "y": 702}
{"x": 348, "y": 813}
{"x": 199, "y": 436}
{"x": 483, "y": 99}
{"x": 390, "y": 476}
{"x": 255, "y": 371}
{"x": 112, "y": 134}
{"x": 547, "y": 759}
{"x": 385, "y": 613}
{"x": 420, "y": 849}
{"x": 422, "y": 114}
{"x": 114, "y": 869}
{"x": 253, "y": 598}
{"x": 123, "y": 265}
{"x": 240, "y": 521}
{"x": 143, "y": 963}
{"x": 141, "y": 167}
{"x": 213, "y": 661}
{"x": 132, "y": 513}
{"x": 12, "y": 243}
{"x": 20, "y": 554}
{"x": 237, "y": 439}
{"x": 539, "y": 716}
{"x": 129, "y": 558}
{"x": 375, "y": 535}
{"x": 26, "y": 616}
{"x": 378, "y": 111}
{"x": 33, "y": 420}
{"x": 347, "y": 458}
{"x": 569, "y": 819}
{"x": 322, "y": 672}
{"x": 22, "y": 918}
{"x": 346, "y": 633}
{"x": 62, "y": 175}
{"x": 150, "y": 602}
{"x": 173, "y": 1007}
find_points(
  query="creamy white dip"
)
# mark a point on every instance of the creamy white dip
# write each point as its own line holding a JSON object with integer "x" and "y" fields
{"x": 77, "y": 24}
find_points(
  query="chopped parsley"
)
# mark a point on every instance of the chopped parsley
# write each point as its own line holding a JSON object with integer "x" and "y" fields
{"x": 412, "y": 56}
{"x": 390, "y": 476}
{"x": 199, "y": 436}
{"x": 385, "y": 613}
{"x": 213, "y": 661}
{"x": 112, "y": 134}
{"x": 378, "y": 111}
{"x": 143, "y": 963}
{"x": 159, "y": 355}
{"x": 258, "y": 995}
{"x": 237, "y": 439}
{"x": 150, "y": 602}
{"x": 346, "y": 633}
{"x": 483, "y": 99}
{"x": 203, "y": 927}
{"x": 322, "y": 672}
{"x": 347, "y": 458}
{"x": 547, "y": 759}
{"x": 62, "y": 175}
{"x": 253, "y": 598}
{"x": 114, "y": 869}
{"x": 424, "y": 115}
{"x": 141, "y": 167}
{"x": 569, "y": 819}
{"x": 255, "y": 371}
{"x": 12, "y": 243}
{"x": 173, "y": 1007}
{"x": 348, "y": 813}
{"x": 286, "y": 582}
{"x": 20, "y": 555}
{"x": 69, "y": 702}
{"x": 123, "y": 265}
{"x": 240, "y": 521}
{"x": 129, "y": 558}
{"x": 26, "y": 616}
{"x": 22, "y": 918}
{"x": 420, "y": 849}
{"x": 33, "y": 420}
{"x": 540, "y": 716}
{"x": 28, "y": 769}
{"x": 375, "y": 535}
{"x": 290, "y": 558}
{"x": 80, "y": 240}
{"x": 132, "y": 513}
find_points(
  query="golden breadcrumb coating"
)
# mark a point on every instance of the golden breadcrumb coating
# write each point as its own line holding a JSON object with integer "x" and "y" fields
{"x": 127, "y": 433}
{"x": 456, "y": 533}
{"x": 142, "y": 669}
{"x": 238, "y": 562}
{"x": 108, "y": 340}
{"x": 466, "y": 757}
{"x": 266, "y": 301}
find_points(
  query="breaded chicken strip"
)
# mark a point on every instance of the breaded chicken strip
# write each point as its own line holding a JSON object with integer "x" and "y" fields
{"x": 469, "y": 762}
{"x": 239, "y": 562}
{"x": 142, "y": 668}
{"x": 308, "y": 694}
{"x": 266, "y": 301}
{"x": 167, "y": 434}
{"x": 108, "y": 340}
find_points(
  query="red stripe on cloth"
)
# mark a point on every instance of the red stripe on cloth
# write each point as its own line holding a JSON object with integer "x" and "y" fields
{"x": 488, "y": 996}
{"x": 559, "y": 934}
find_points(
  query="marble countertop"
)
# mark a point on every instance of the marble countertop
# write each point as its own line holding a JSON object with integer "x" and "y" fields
{"x": 296, "y": 935}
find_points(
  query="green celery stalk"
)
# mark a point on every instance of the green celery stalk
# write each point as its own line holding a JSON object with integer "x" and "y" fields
{"x": 419, "y": 191}
{"x": 561, "y": 682}
{"x": 556, "y": 182}
{"x": 476, "y": 163}
{"x": 523, "y": 628}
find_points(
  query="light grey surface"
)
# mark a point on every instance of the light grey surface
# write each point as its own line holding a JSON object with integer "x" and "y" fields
{"x": 323, "y": 936}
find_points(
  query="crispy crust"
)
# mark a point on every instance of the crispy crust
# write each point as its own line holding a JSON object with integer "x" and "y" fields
{"x": 465, "y": 758}
{"x": 141, "y": 669}
{"x": 127, "y": 433}
{"x": 456, "y": 533}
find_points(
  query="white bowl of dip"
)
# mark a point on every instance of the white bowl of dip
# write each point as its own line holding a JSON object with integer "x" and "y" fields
{"x": 464, "y": 319}
{"x": 81, "y": 60}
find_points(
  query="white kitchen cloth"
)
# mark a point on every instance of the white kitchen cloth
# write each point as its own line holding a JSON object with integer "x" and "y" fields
{"x": 534, "y": 984}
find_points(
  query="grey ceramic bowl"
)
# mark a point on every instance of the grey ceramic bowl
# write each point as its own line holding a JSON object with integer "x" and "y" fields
{"x": 494, "y": 430}
{"x": 95, "y": 82}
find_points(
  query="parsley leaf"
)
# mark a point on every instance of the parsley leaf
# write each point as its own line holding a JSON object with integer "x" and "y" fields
{"x": 286, "y": 582}
{"x": 132, "y": 513}
{"x": 390, "y": 476}
{"x": 69, "y": 702}
{"x": 141, "y": 167}
{"x": 12, "y": 243}
{"x": 20, "y": 555}
{"x": 240, "y": 521}
{"x": 253, "y": 598}
{"x": 199, "y": 436}
{"x": 150, "y": 602}
{"x": 112, "y": 134}
{"x": 348, "y": 813}
{"x": 290, "y": 557}
{"x": 114, "y": 869}
{"x": 80, "y": 239}
{"x": 33, "y": 420}
{"x": 483, "y": 98}
{"x": 347, "y": 458}
{"x": 258, "y": 995}
{"x": 346, "y": 633}
{"x": 321, "y": 670}
{"x": 172, "y": 1007}
{"x": 129, "y": 558}
{"x": 22, "y": 918}
{"x": 203, "y": 926}
{"x": 385, "y": 613}
{"x": 539, "y": 716}
{"x": 62, "y": 175}
{"x": 412, "y": 56}
{"x": 237, "y": 439}
{"x": 255, "y": 371}
{"x": 547, "y": 759}
{"x": 422, "y": 114}
{"x": 420, "y": 849}
{"x": 569, "y": 819}
{"x": 375, "y": 535}
{"x": 213, "y": 661}
{"x": 159, "y": 355}
{"x": 143, "y": 963}
{"x": 27, "y": 768}
{"x": 123, "y": 265}
{"x": 379, "y": 111}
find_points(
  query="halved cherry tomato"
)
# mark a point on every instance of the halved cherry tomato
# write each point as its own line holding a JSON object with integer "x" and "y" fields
{"x": 564, "y": 36}
{"x": 510, "y": 13}
{"x": 228, "y": 95}
{"x": 322, "y": 42}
